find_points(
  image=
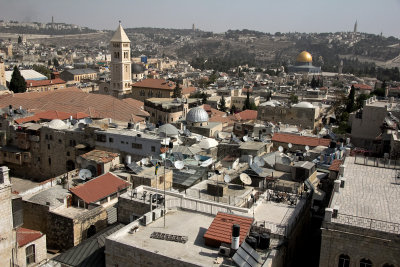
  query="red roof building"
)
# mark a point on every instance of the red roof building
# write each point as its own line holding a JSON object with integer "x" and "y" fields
{"x": 99, "y": 188}
{"x": 246, "y": 115}
{"x": 220, "y": 230}
{"x": 25, "y": 236}
{"x": 45, "y": 85}
{"x": 52, "y": 115}
{"x": 300, "y": 140}
{"x": 359, "y": 86}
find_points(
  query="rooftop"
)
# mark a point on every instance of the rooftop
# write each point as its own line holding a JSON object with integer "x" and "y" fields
{"x": 35, "y": 83}
{"x": 300, "y": 140}
{"x": 99, "y": 156}
{"x": 25, "y": 236}
{"x": 369, "y": 193}
{"x": 155, "y": 84}
{"x": 53, "y": 197}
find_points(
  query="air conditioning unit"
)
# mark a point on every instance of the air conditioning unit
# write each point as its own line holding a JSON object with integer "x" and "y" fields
{"x": 224, "y": 251}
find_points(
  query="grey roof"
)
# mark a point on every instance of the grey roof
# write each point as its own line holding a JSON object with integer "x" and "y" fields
{"x": 169, "y": 129}
{"x": 81, "y": 71}
{"x": 186, "y": 150}
{"x": 197, "y": 114}
{"x": 90, "y": 252}
{"x": 54, "y": 196}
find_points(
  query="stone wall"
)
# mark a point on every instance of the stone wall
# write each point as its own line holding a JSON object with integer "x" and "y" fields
{"x": 96, "y": 217}
{"x": 358, "y": 243}
{"x": 40, "y": 251}
{"x": 128, "y": 207}
{"x": 7, "y": 236}
{"x": 35, "y": 216}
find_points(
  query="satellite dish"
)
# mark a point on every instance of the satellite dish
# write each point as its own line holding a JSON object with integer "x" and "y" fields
{"x": 168, "y": 163}
{"x": 179, "y": 165}
{"x": 245, "y": 138}
{"x": 85, "y": 174}
{"x": 245, "y": 179}
{"x": 197, "y": 157}
{"x": 259, "y": 161}
{"x": 206, "y": 163}
{"x": 280, "y": 148}
{"x": 304, "y": 154}
{"x": 290, "y": 145}
{"x": 144, "y": 161}
{"x": 307, "y": 148}
{"x": 227, "y": 178}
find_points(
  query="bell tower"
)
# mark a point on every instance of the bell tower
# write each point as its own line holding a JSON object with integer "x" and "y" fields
{"x": 121, "y": 75}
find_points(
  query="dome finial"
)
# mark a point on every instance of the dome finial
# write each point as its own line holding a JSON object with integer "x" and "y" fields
{"x": 119, "y": 22}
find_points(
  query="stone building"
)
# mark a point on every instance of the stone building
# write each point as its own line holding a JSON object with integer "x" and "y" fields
{"x": 148, "y": 88}
{"x": 361, "y": 225}
{"x": 45, "y": 85}
{"x": 303, "y": 114}
{"x": 298, "y": 142}
{"x": 6, "y": 221}
{"x": 78, "y": 75}
{"x": 304, "y": 64}
{"x": 31, "y": 247}
{"x": 2, "y": 73}
{"x": 99, "y": 161}
{"x": 197, "y": 121}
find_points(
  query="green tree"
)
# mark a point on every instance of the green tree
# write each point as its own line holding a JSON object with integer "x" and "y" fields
{"x": 43, "y": 70}
{"x": 313, "y": 82}
{"x": 177, "y": 91}
{"x": 350, "y": 101}
{"x": 17, "y": 83}
{"x": 293, "y": 99}
{"x": 20, "y": 39}
{"x": 213, "y": 77}
{"x": 360, "y": 100}
{"x": 55, "y": 63}
{"x": 247, "y": 103}
{"x": 222, "y": 104}
{"x": 253, "y": 106}
{"x": 204, "y": 98}
{"x": 233, "y": 109}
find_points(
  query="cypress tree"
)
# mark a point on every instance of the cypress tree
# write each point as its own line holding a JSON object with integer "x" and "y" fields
{"x": 17, "y": 83}
{"x": 350, "y": 103}
{"x": 222, "y": 104}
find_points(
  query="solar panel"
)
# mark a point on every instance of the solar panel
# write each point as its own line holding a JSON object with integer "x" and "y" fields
{"x": 246, "y": 256}
{"x": 239, "y": 261}
{"x": 256, "y": 169}
{"x": 135, "y": 168}
{"x": 251, "y": 251}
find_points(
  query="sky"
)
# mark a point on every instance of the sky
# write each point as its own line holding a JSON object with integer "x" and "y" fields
{"x": 373, "y": 16}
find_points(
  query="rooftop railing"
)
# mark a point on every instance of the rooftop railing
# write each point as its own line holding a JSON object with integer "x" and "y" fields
{"x": 367, "y": 223}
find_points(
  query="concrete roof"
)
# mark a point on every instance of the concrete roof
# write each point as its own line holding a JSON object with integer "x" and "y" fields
{"x": 54, "y": 196}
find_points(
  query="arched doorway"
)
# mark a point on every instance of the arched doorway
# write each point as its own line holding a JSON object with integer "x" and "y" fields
{"x": 91, "y": 231}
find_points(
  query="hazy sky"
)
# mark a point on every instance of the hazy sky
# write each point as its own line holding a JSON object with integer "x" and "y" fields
{"x": 374, "y": 16}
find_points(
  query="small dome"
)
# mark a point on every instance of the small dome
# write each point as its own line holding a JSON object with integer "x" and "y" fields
{"x": 304, "y": 105}
{"x": 57, "y": 124}
{"x": 304, "y": 57}
{"x": 208, "y": 143}
{"x": 169, "y": 128}
{"x": 197, "y": 114}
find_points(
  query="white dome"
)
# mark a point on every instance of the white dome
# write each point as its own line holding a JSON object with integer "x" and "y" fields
{"x": 304, "y": 105}
{"x": 207, "y": 143}
{"x": 197, "y": 114}
{"x": 57, "y": 124}
{"x": 169, "y": 129}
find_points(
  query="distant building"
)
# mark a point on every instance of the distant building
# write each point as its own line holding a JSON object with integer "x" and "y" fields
{"x": 198, "y": 122}
{"x": 78, "y": 75}
{"x": 304, "y": 64}
{"x": 2, "y": 74}
{"x": 148, "y": 88}
{"x": 45, "y": 85}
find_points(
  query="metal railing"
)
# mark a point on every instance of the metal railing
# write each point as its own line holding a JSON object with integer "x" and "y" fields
{"x": 388, "y": 163}
{"x": 367, "y": 223}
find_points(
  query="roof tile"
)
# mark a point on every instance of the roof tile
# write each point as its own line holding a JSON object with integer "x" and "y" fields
{"x": 25, "y": 236}
{"x": 300, "y": 140}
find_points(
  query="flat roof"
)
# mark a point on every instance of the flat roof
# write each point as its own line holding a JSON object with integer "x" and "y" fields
{"x": 53, "y": 197}
{"x": 370, "y": 193}
{"x": 177, "y": 222}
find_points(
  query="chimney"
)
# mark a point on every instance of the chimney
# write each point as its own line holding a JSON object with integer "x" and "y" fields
{"x": 328, "y": 214}
{"x": 235, "y": 236}
{"x": 4, "y": 178}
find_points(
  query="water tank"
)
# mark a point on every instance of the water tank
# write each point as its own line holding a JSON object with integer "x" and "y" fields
{"x": 264, "y": 241}
{"x": 128, "y": 159}
{"x": 251, "y": 241}
{"x": 130, "y": 125}
{"x": 235, "y": 236}
{"x": 256, "y": 236}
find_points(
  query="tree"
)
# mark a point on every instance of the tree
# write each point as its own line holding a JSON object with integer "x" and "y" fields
{"x": 177, "y": 91}
{"x": 350, "y": 101}
{"x": 43, "y": 70}
{"x": 253, "y": 106}
{"x": 55, "y": 63}
{"x": 233, "y": 109}
{"x": 313, "y": 82}
{"x": 293, "y": 99}
{"x": 360, "y": 100}
{"x": 20, "y": 39}
{"x": 203, "y": 98}
{"x": 49, "y": 62}
{"x": 247, "y": 103}
{"x": 17, "y": 83}
{"x": 222, "y": 104}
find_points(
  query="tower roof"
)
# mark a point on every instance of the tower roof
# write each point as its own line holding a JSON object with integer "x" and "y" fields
{"x": 120, "y": 35}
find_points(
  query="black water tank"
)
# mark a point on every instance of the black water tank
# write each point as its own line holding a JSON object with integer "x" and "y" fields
{"x": 251, "y": 241}
{"x": 130, "y": 125}
{"x": 264, "y": 241}
{"x": 256, "y": 236}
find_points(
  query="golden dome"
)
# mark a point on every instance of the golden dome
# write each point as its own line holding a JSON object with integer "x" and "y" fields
{"x": 304, "y": 57}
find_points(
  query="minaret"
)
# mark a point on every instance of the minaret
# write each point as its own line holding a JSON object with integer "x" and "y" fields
{"x": 121, "y": 75}
{"x": 355, "y": 27}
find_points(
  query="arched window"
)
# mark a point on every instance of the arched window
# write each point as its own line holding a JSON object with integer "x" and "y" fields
{"x": 344, "y": 261}
{"x": 365, "y": 263}
{"x": 30, "y": 254}
{"x": 91, "y": 231}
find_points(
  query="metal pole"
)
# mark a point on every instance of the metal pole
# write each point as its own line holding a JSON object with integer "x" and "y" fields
{"x": 164, "y": 169}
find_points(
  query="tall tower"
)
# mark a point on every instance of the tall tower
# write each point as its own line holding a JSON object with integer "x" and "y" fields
{"x": 6, "y": 221}
{"x": 121, "y": 75}
{"x": 355, "y": 27}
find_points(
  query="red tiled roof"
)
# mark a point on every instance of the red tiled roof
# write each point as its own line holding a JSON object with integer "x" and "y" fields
{"x": 51, "y": 115}
{"x": 246, "y": 115}
{"x": 213, "y": 111}
{"x": 300, "y": 140}
{"x": 34, "y": 83}
{"x": 25, "y": 236}
{"x": 220, "y": 230}
{"x": 155, "y": 84}
{"x": 74, "y": 100}
{"x": 360, "y": 86}
{"x": 335, "y": 165}
{"x": 99, "y": 187}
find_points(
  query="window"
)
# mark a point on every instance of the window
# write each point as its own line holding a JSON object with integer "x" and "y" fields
{"x": 68, "y": 154}
{"x": 104, "y": 200}
{"x": 111, "y": 140}
{"x": 365, "y": 263}
{"x": 136, "y": 146}
{"x": 51, "y": 137}
{"x": 46, "y": 137}
{"x": 153, "y": 149}
{"x": 113, "y": 196}
{"x": 48, "y": 146}
{"x": 101, "y": 138}
{"x": 59, "y": 141}
{"x": 49, "y": 161}
{"x": 344, "y": 261}
{"x": 30, "y": 254}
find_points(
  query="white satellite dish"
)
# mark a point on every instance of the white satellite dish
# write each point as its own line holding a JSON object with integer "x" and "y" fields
{"x": 206, "y": 163}
{"x": 307, "y": 148}
{"x": 179, "y": 165}
{"x": 304, "y": 154}
{"x": 290, "y": 145}
{"x": 144, "y": 161}
{"x": 280, "y": 148}
{"x": 245, "y": 138}
{"x": 85, "y": 174}
{"x": 227, "y": 178}
{"x": 259, "y": 161}
{"x": 245, "y": 179}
